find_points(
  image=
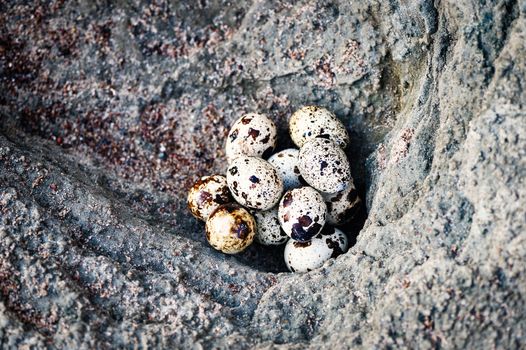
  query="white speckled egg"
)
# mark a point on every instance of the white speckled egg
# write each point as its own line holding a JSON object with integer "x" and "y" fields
{"x": 342, "y": 206}
{"x": 230, "y": 228}
{"x": 324, "y": 166}
{"x": 251, "y": 135}
{"x": 313, "y": 121}
{"x": 254, "y": 183}
{"x": 307, "y": 256}
{"x": 269, "y": 231}
{"x": 302, "y": 213}
{"x": 286, "y": 162}
{"x": 207, "y": 194}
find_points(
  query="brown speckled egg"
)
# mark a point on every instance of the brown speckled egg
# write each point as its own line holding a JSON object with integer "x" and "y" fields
{"x": 207, "y": 194}
{"x": 324, "y": 166}
{"x": 230, "y": 228}
{"x": 307, "y": 256}
{"x": 286, "y": 162}
{"x": 269, "y": 231}
{"x": 302, "y": 213}
{"x": 342, "y": 206}
{"x": 251, "y": 135}
{"x": 254, "y": 183}
{"x": 313, "y": 121}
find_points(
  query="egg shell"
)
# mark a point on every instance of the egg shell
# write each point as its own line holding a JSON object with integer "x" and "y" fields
{"x": 302, "y": 213}
{"x": 254, "y": 183}
{"x": 324, "y": 166}
{"x": 304, "y": 257}
{"x": 251, "y": 135}
{"x": 207, "y": 194}
{"x": 269, "y": 230}
{"x": 313, "y": 121}
{"x": 343, "y": 206}
{"x": 230, "y": 228}
{"x": 286, "y": 162}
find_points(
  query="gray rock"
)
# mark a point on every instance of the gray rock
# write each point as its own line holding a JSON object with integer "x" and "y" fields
{"x": 108, "y": 112}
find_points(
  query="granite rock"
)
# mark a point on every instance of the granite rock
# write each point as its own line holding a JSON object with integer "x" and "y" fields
{"x": 110, "y": 110}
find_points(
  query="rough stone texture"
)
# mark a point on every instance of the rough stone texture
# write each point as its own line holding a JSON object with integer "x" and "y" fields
{"x": 108, "y": 112}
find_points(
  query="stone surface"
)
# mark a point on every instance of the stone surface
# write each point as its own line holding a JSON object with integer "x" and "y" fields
{"x": 108, "y": 112}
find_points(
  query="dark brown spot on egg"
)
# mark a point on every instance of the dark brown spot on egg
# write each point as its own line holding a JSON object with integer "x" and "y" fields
{"x": 296, "y": 170}
{"x": 193, "y": 209}
{"x": 323, "y": 165}
{"x": 241, "y": 229}
{"x": 335, "y": 247}
{"x": 286, "y": 217}
{"x": 300, "y": 234}
{"x": 246, "y": 120}
{"x": 287, "y": 199}
{"x": 324, "y": 136}
{"x": 305, "y": 220}
{"x": 253, "y": 132}
{"x": 204, "y": 198}
{"x": 234, "y": 188}
{"x": 233, "y": 135}
{"x": 233, "y": 170}
{"x": 337, "y": 197}
{"x": 254, "y": 179}
{"x": 314, "y": 229}
{"x": 301, "y": 244}
{"x": 266, "y": 139}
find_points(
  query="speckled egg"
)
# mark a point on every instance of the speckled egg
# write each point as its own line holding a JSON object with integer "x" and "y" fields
{"x": 342, "y": 206}
{"x": 302, "y": 213}
{"x": 207, "y": 194}
{"x": 307, "y": 256}
{"x": 251, "y": 135}
{"x": 269, "y": 231}
{"x": 313, "y": 121}
{"x": 286, "y": 162}
{"x": 230, "y": 228}
{"x": 254, "y": 183}
{"x": 324, "y": 166}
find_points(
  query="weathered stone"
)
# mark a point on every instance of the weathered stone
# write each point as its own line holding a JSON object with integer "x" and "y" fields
{"x": 108, "y": 112}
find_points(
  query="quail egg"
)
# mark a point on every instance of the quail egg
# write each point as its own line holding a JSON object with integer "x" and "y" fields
{"x": 342, "y": 206}
{"x": 302, "y": 213}
{"x": 207, "y": 194}
{"x": 286, "y": 162}
{"x": 254, "y": 182}
{"x": 230, "y": 228}
{"x": 251, "y": 135}
{"x": 269, "y": 231}
{"x": 324, "y": 166}
{"x": 307, "y": 256}
{"x": 313, "y": 121}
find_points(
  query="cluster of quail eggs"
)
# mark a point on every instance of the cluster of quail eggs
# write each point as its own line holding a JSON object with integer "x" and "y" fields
{"x": 294, "y": 197}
